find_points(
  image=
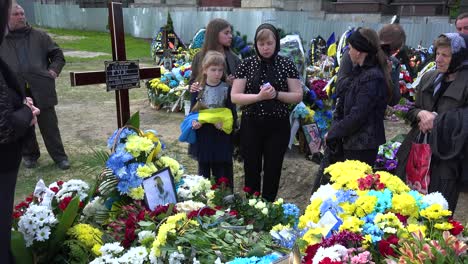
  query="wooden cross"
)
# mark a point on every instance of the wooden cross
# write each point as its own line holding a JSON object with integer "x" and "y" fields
{"x": 118, "y": 54}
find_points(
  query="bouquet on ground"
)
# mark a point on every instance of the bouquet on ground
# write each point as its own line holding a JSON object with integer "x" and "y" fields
{"x": 42, "y": 220}
{"x": 366, "y": 217}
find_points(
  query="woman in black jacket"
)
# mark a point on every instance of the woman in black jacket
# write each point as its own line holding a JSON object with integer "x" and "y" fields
{"x": 358, "y": 126}
{"x": 17, "y": 114}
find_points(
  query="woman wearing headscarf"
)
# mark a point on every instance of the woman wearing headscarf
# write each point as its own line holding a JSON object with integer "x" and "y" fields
{"x": 441, "y": 109}
{"x": 265, "y": 85}
{"x": 17, "y": 114}
{"x": 358, "y": 125}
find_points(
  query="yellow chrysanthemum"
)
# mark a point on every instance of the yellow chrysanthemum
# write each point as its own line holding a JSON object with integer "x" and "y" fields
{"x": 96, "y": 250}
{"x": 313, "y": 236}
{"x": 416, "y": 228}
{"x": 352, "y": 224}
{"x": 392, "y": 182}
{"x": 367, "y": 242}
{"x": 173, "y": 165}
{"x": 365, "y": 205}
{"x": 146, "y": 170}
{"x": 389, "y": 223}
{"x": 311, "y": 214}
{"x": 443, "y": 226}
{"x": 86, "y": 234}
{"x": 434, "y": 212}
{"x": 136, "y": 144}
{"x": 137, "y": 193}
{"x": 405, "y": 204}
{"x": 345, "y": 174}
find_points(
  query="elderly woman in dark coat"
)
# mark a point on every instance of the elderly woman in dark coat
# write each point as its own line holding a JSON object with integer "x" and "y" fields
{"x": 441, "y": 110}
{"x": 17, "y": 114}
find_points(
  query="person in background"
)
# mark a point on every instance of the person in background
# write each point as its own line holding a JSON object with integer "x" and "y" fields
{"x": 218, "y": 37}
{"x": 265, "y": 85}
{"x": 37, "y": 61}
{"x": 392, "y": 38}
{"x": 17, "y": 115}
{"x": 358, "y": 124}
{"x": 213, "y": 148}
{"x": 461, "y": 23}
{"x": 441, "y": 110}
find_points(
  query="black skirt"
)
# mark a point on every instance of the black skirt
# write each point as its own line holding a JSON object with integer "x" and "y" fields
{"x": 212, "y": 145}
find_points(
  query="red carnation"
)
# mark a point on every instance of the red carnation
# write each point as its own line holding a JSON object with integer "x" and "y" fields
{"x": 402, "y": 218}
{"x": 457, "y": 227}
{"x": 54, "y": 189}
{"x": 385, "y": 246}
{"x": 223, "y": 180}
{"x": 214, "y": 186}
{"x": 310, "y": 253}
{"x": 64, "y": 203}
{"x": 60, "y": 183}
{"x": 328, "y": 260}
{"x": 256, "y": 194}
{"x": 233, "y": 213}
{"x": 247, "y": 189}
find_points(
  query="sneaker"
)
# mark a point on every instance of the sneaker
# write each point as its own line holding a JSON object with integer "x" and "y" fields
{"x": 63, "y": 165}
{"x": 29, "y": 163}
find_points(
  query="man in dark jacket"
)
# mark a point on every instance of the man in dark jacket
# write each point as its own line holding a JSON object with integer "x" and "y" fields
{"x": 37, "y": 60}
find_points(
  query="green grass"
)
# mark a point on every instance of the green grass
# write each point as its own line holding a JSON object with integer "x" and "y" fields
{"x": 94, "y": 41}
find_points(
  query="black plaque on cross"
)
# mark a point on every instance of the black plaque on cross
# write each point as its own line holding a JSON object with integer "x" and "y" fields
{"x": 118, "y": 54}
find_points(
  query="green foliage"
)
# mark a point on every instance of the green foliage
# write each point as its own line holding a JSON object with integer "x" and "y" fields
{"x": 134, "y": 120}
{"x": 65, "y": 221}
{"x": 76, "y": 252}
{"x": 21, "y": 253}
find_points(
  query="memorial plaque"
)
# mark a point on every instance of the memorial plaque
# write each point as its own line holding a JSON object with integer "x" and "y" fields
{"x": 122, "y": 75}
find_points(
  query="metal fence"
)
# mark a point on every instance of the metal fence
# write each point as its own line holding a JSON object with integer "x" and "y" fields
{"x": 145, "y": 22}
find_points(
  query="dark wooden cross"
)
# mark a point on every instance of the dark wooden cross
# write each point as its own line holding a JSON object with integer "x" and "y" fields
{"x": 118, "y": 54}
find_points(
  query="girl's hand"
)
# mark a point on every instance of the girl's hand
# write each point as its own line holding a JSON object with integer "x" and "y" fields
{"x": 195, "y": 87}
{"x": 196, "y": 124}
{"x": 426, "y": 121}
{"x": 267, "y": 93}
{"x": 219, "y": 125}
{"x": 230, "y": 79}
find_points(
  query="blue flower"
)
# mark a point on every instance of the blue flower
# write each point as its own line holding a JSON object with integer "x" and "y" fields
{"x": 375, "y": 232}
{"x": 187, "y": 74}
{"x": 124, "y": 134}
{"x": 117, "y": 160}
{"x": 384, "y": 200}
{"x": 312, "y": 96}
{"x": 319, "y": 104}
{"x": 332, "y": 206}
{"x": 346, "y": 196}
{"x": 173, "y": 83}
{"x": 291, "y": 211}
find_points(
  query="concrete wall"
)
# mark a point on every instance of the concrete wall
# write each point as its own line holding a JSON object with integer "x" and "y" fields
{"x": 145, "y": 22}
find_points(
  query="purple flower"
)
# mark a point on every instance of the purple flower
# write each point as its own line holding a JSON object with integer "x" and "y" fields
{"x": 390, "y": 164}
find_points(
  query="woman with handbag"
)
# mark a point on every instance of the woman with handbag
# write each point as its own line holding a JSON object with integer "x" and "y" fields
{"x": 358, "y": 124}
{"x": 441, "y": 110}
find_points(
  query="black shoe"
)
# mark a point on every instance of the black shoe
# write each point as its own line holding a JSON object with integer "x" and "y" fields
{"x": 63, "y": 165}
{"x": 29, "y": 163}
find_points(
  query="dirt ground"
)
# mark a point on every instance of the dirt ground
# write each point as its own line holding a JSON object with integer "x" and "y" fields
{"x": 87, "y": 117}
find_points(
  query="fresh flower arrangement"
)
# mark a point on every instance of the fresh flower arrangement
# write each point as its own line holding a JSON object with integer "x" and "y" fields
{"x": 170, "y": 86}
{"x": 41, "y": 221}
{"x": 371, "y": 215}
{"x": 386, "y": 156}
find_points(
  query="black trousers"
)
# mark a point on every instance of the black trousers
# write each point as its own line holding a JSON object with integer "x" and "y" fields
{"x": 48, "y": 125}
{"x": 263, "y": 145}
{"x": 8, "y": 175}
{"x": 217, "y": 169}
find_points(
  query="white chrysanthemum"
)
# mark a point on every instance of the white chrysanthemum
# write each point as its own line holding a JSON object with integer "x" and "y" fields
{"x": 176, "y": 258}
{"x": 252, "y": 202}
{"x": 260, "y": 205}
{"x": 335, "y": 253}
{"x": 71, "y": 187}
{"x": 192, "y": 186}
{"x": 324, "y": 192}
{"x": 265, "y": 211}
{"x": 145, "y": 234}
{"x": 36, "y": 223}
{"x": 111, "y": 248}
{"x": 189, "y": 206}
{"x": 435, "y": 198}
{"x": 135, "y": 255}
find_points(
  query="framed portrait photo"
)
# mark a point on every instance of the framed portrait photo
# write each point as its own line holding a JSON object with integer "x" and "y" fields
{"x": 312, "y": 135}
{"x": 159, "y": 189}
